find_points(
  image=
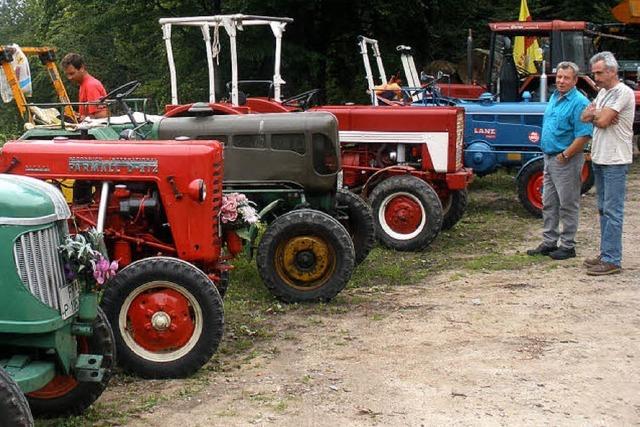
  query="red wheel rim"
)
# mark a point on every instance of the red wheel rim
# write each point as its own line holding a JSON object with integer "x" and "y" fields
{"x": 403, "y": 214}
{"x": 60, "y": 385}
{"x": 160, "y": 320}
{"x": 534, "y": 189}
{"x": 585, "y": 172}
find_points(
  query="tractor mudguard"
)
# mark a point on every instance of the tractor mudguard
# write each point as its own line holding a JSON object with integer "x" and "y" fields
{"x": 523, "y": 167}
{"x": 381, "y": 174}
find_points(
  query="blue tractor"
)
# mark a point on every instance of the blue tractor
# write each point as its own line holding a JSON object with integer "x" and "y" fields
{"x": 507, "y": 135}
{"x": 497, "y": 135}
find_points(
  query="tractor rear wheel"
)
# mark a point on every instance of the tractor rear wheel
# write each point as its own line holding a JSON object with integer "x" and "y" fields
{"x": 407, "y": 213}
{"x": 358, "y": 222}
{"x": 65, "y": 395}
{"x": 167, "y": 317}
{"x": 454, "y": 206}
{"x": 586, "y": 176}
{"x": 305, "y": 255}
{"x": 14, "y": 409}
{"x": 529, "y": 185}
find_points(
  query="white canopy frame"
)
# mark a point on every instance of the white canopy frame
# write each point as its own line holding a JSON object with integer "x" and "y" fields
{"x": 231, "y": 24}
{"x": 408, "y": 65}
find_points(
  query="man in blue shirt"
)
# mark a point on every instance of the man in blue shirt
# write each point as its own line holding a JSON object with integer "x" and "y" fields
{"x": 564, "y": 136}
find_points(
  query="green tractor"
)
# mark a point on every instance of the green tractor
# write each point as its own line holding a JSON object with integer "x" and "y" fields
{"x": 57, "y": 349}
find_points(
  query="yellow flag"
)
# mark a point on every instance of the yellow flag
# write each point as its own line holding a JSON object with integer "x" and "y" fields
{"x": 526, "y": 49}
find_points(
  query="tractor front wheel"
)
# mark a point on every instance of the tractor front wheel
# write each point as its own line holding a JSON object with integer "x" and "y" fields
{"x": 167, "y": 317}
{"x": 65, "y": 395}
{"x": 529, "y": 185}
{"x": 305, "y": 255}
{"x": 454, "y": 205}
{"x": 358, "y": 222}
{"x": 14, "y": 409}
{"x": 407, "y": 213}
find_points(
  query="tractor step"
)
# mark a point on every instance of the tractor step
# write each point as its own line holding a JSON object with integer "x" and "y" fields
{"x": 88, "y": 368}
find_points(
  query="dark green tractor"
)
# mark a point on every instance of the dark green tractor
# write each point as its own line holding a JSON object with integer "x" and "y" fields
{"x": 56, "y": 346}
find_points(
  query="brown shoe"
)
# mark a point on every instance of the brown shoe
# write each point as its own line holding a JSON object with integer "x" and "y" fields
{"x": 590, "y": 262}
{"x": 603, "y": 268}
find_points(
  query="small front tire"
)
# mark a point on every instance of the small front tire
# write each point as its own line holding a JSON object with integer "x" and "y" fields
{"x": 305, "y": 255}
{"x": 407, "y": 213}
{"x": 64, "y": 395}
{"x": 167, "y": 317}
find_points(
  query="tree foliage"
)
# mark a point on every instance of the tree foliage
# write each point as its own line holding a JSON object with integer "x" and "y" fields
{"x": 121, "y": 40}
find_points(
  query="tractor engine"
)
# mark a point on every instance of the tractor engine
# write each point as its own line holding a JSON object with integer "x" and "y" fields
{"x": 134, "y": 214}
{"x": 359, "y": 157}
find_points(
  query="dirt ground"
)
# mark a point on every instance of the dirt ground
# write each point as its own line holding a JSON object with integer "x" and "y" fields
{"x": 544, "y": 345}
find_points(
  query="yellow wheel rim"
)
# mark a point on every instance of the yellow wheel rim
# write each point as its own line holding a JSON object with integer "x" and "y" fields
{"x": 305, "y": 262}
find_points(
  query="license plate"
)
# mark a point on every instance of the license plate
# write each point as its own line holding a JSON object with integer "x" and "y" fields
{"x": 69, "y": 300}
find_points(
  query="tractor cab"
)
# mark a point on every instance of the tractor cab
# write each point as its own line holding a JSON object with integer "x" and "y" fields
{"x": 557, "y": 40}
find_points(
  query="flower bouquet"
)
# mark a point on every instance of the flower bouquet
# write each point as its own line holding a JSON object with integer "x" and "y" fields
{"x": 238, "y": 215}
{"x": 86, "y": 261}
{"x": 238, "y": 211}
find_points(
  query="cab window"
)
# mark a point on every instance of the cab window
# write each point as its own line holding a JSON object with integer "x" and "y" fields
{"x": 249, "y": 141}
{"x": 288, "y": 142}
{"x": 325, "y": 159}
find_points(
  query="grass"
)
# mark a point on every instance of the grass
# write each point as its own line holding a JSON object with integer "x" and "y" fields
{"x": 483, "y": 240}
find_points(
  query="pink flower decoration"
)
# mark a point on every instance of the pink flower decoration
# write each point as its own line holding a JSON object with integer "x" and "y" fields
{"x": 104, "y": 270}
{"x": 236, "y": 207}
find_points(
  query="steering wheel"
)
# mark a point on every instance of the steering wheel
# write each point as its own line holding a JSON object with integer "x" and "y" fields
{"x": 301, "y": 100}
{"x": 122, "y": 91}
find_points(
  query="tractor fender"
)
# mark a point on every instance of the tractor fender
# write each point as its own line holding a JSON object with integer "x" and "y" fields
{"x": 535, "y": 159}
{"x": 383, "y": 173}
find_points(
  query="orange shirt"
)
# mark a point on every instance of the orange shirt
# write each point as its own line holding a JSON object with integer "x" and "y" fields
{"x": 90, "y": 90}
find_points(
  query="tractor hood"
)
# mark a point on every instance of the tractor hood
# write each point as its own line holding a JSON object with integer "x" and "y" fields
{"x": 30, "y": 201}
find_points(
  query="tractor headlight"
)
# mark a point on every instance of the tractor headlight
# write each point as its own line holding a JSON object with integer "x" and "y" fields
{"x": 198, "y": 190}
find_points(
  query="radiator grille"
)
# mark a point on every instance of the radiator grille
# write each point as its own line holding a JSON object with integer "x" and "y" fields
{"x": 39, "y": 265}
{"x": 459, "y": 139}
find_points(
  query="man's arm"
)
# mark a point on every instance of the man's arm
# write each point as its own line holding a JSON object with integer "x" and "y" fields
{"x": 605, "y": 117}
{"x": 94, "y": 93}
{"x": 577, "y": 146}
{"x": 588, "y": 114}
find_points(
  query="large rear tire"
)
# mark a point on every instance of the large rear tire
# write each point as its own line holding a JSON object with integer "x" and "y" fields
{"x": 454, "y": 206}
{"x": 407, "y": 213}
{"x": 305, "y": 255}
{"x": 586, "y": 176}
{"x": 529, "y": 186}
{"x": 14, "y": 409}
{"x": 358, "y": 222}
{"x": 167, "y": 317}
{"x": 64, "y": 395}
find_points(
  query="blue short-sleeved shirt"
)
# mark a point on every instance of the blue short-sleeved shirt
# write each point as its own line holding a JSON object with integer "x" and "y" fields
{"x": 561, "y": 124}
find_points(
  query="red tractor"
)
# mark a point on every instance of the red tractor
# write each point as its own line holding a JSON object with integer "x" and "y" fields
{"x": 407, "y": 161}
{"x": 158, "y": 204}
